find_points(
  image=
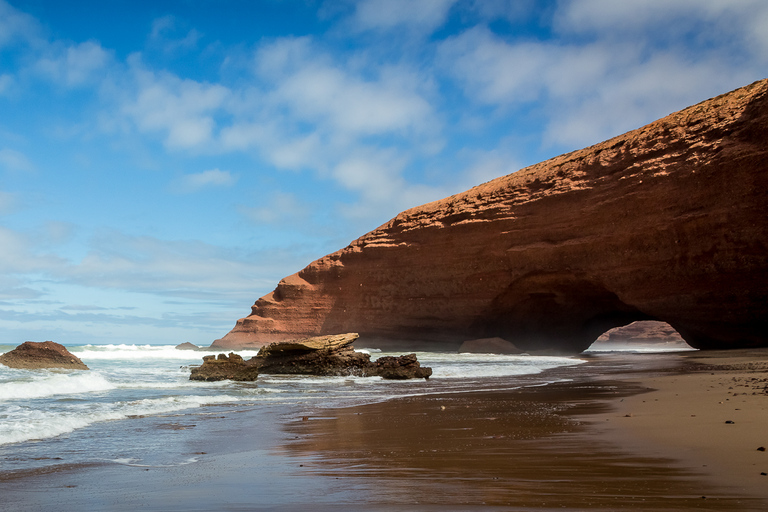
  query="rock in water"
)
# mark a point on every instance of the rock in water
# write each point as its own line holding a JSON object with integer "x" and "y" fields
{"x": 489, "y": 346}
{"x": 187, "y": 346}
{"x": 401, "y": 367}
{"x": 668, "y": 222}
{"x": 334, "y": 355}
{"x": 323, "y": 355}
{"x": 32, "y": 355}
{"x": 224, "y": 367}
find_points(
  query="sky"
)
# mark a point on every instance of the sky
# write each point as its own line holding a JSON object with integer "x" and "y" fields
{"x": 165, "y": 163}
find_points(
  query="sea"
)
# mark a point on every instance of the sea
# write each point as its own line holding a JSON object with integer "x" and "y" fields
{"x": 118, "y": 410}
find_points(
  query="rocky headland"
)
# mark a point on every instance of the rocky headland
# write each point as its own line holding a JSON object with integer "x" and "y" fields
{"x": 32, "y": 355}
{"x": 668, "y": 222}
{"x": 330, "y": 355}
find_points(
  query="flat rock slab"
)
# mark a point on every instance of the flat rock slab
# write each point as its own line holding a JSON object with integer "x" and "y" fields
{"x": 32, "y": 355}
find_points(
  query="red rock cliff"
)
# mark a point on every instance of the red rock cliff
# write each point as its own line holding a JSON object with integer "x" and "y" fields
{"x": 667, "y": 222}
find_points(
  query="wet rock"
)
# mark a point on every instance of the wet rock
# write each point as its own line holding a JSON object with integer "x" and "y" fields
{"x": 333, "y": 355}
{"x": 401, "y": 368}
{"x": 223, "y": 367}
{"x": 32, "y": 355}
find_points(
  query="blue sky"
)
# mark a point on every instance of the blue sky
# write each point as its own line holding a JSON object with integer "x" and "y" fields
{"x": 163, "y": 164}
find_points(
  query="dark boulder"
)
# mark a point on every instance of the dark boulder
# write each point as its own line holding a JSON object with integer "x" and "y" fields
{"x": 32, "y": 355}
{"x": 223, "y": 367}
{"x": 331, "y": 355}
{"x": 402, "y": 367}
{"x": 334, "y": 355}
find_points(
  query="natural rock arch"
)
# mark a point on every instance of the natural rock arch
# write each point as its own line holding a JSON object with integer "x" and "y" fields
{"x": 667, "y": 222}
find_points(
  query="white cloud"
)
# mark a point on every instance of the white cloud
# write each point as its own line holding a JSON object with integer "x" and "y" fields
{"x": 377, "y": 176}
{"x": 338, "y": 100}
{"x": 280, "y": 208}
{"x": 591, "y": 89}
{"x": 182, "y": 110}
{"x": 15, "y": 161}
{"x": 15, "y": 25}
{"x": 424, "y": 15}
{"x": 6, "y": 81}
{"x": 75, "y": 65}
{"x": 163, "y": 31}
{"x": 148, "y": 264}
{"x": 8, "y": 202}
{"x": 18, "y": 254}
{"x": 198, "y": 181}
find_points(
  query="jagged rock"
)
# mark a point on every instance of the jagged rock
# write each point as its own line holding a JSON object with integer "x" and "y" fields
{"x": 333, "y": 355}
{"x": 187, "y": 346}
{"x": 668, "y": 222}
{"x": 401, "y": 367}
{"x": 489, "y": 346}
{"x": 32, "y": 355}
{"x": 223, "y": 367}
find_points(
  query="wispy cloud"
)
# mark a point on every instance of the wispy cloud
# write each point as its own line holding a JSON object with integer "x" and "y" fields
{"x": 424, "y": 16}
{"x": 196, "y": 182}
{"x": 15, "y": 161}
{"x": 75, "y": 65}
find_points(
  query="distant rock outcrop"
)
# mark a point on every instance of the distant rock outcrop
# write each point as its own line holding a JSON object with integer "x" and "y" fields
{"x": 187, "y": 346}
{"x": 32, "y": 355}
{"x": 646, "y": 331}
{"x": 668, "y": 222}
{"x": 489, "y": 346}
{"x": 324, "y": 355}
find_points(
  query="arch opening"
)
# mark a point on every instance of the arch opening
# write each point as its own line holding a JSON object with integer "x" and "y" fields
{"x": 640, "y": 335}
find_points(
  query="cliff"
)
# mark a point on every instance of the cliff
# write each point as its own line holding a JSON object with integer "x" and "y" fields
{"x": 666, "y": 222}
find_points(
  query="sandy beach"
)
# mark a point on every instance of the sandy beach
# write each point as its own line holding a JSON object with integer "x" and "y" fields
{"x": 675, "y": 431}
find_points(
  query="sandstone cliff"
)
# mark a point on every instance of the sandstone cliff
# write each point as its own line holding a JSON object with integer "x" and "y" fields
{"x": 667, "y": 222}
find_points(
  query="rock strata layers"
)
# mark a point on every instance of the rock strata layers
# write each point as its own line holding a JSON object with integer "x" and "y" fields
{"x": 668, "y": 222}
{"x": 331, "y": 355}
{"x": 32, "y": 355}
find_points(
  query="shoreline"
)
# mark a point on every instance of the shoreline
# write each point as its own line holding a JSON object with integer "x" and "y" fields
{"x": 712, "y": 413}
{"x": 612, "y": 434}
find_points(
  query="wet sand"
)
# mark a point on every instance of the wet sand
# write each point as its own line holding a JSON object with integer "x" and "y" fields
{"x": 603, "y": 440}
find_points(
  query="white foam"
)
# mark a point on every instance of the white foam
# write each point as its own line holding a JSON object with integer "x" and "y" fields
{"x": 50, "y": 384}
{"x": 144, "y": 352}
{"x": 455, "y": 366}
{"x": 20, "y": 424}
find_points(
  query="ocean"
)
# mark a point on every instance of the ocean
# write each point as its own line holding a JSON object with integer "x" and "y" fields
{"x": 121, "y": 410}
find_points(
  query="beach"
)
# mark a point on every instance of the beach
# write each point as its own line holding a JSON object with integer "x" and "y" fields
{"x": 621, "y": 431}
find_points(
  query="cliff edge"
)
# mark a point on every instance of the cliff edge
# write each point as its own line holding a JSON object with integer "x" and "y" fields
{"x": 667, "y": 222}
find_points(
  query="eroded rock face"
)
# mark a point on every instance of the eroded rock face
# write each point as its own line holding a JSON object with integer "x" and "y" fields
{"x": 32, "y": 355}
{"x": 667, "y": 222}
